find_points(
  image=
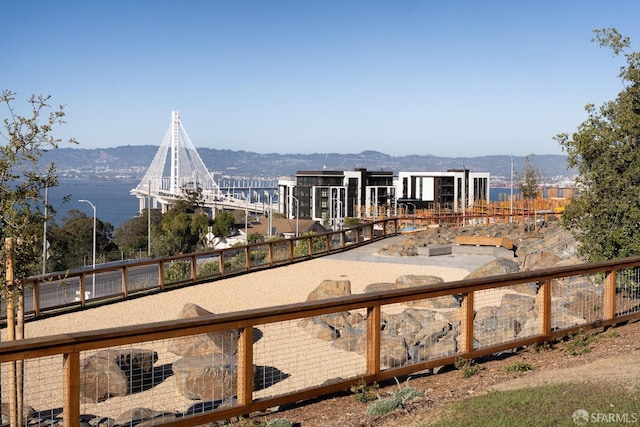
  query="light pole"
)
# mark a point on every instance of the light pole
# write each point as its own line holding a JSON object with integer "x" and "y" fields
{"x": 270, "y": 222}
{"x": 464, "y": 194}
{"x": 93, "y": 289}
{"x": 246, "y": 217}
{"x": 297, "y": 213}
{"x": 339, "y": 211}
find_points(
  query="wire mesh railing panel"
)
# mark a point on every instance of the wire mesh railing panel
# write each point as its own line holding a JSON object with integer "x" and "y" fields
{"x": 43, "y": 390}
{"x": 319, "y": 244}
{"x": 104, "y": 284}
{"x": 576, "y": 300}
{"x": 504, "y": 314}
{"x": 391, "y": 227}
{"x": 207, "y": 266}
{"x": 335, "y": 241}
{"x": 350, "y": 237}
{"x": 169, "y": 378}
{"x": 293, "y": 355}
{"x": 59, "y": 292}
{"x": 280, "y": 251}
{"x": 627, "y": 298}
{"x": 176, "y": 271}
{"x": 143, "y": 277}
{"x": 258, "y": 256}
{"x": 300, "y": 248}
{"x": 235, "y": 260}
{"x": 418, "y": 331}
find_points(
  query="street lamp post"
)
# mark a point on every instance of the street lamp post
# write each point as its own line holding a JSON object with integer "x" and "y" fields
{"x": 297, "y": 213}
{"x": 93, "y": 289}
{"x": 246, "y": 217}
{"x": 464, "y": 194}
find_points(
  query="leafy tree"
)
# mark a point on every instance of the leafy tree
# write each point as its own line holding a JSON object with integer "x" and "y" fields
{"x": 133, "y": 234}
{"x": 606, "y": 151}
{"x": 182, "y": 227}
{"x": 22, "y": 178}
{"x": 72, "y": 242}
{"x": 223, "y": 224}
{"x": 529, "y": 180}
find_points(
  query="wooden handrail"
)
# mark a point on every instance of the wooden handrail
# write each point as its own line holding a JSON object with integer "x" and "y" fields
{"x": 389, "y": 228}
{"x": 70, "y": 345}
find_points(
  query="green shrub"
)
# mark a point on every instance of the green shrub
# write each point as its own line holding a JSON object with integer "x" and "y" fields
{"x": 177, "y": 271}
{"x": 208, "y": 268}
{"x": 363, "y": 392}
{"x": 383, "y": 406}
{"x": 519, "y": 367}
{"x": 578, "y": 344}
{"x": 467, "y": 366}
{"x": 611, "y": 333}
{"x": 279, "y": 422}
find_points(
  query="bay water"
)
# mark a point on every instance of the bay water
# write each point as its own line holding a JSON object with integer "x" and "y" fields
{"x": 115, "y": 204}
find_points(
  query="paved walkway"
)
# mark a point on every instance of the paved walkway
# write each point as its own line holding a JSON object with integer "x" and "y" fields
{"x": 367, "y": 253}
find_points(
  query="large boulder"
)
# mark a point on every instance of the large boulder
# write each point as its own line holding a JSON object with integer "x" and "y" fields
{"x": 495, "y": 267}
{"x": 414, "y": 280}
{"x": 197, "y": 345}
{"x": 210, "y": 377}
{"x": 110, "y": 373}
{"x": 393, "y": 351}
{"x": 379, "y": 287}
{"x": 330, "y": 289}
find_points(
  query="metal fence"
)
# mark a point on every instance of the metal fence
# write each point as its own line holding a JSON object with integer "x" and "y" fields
{"x": 58, "y": 292}
{"x": 212, "y": 367}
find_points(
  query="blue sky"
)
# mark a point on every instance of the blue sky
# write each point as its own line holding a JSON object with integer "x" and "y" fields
{"x": 447, "y": 78}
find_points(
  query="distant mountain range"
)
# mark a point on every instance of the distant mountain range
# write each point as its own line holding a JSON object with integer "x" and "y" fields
{"x": 131, "y": 162}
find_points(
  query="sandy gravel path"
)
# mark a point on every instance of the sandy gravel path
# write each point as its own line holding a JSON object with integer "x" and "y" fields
{"x": 282, "y": 285}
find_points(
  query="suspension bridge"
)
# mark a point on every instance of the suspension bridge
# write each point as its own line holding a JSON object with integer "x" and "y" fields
{"x": 177, "y": 169}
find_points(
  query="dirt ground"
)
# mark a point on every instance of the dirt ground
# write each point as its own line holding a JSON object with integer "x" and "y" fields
{"x": 551, "y": 364}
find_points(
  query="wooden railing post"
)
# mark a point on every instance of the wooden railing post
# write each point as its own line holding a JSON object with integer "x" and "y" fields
{"x": 610, "y": 295}
{"x": 466, "y": 322}
{"x": 194, "y": 269}
{"x": 161, "y": 274}
{"x": 83, "y": 287}
{"x": 543, "y": 304}
{"x": 221, "y": 263}
{"x": 247, "y": 260}
{"x": 36, "y": 298}
{"x": 373, "y": 339}
{"x": 291, "y": 247}
{"x": 72, "y": 388}
{"x": 125, "y": 281}
{"x": 245, "y": 366}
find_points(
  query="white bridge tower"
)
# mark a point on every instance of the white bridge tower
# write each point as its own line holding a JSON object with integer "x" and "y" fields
{"x": 172, "y": 174}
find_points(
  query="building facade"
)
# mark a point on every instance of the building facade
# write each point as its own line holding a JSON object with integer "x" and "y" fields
{"x": 331, "y": 196}
{"x": 454, "y": 189}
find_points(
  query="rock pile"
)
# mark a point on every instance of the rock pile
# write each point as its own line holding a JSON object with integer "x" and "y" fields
{"x": 427, "y": 329}
{"x": 540, "y": 245}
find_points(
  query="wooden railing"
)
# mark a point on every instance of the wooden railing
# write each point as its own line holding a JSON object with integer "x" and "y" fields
{"x": 612, "y": 283}
{"x": 61, "y": 292}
